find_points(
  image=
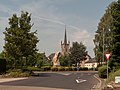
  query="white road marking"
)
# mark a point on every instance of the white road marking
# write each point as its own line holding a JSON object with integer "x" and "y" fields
{"x": 80, "y": 80}
{"x": 66, "y": 74}
{"x": 11, "y": 79}
{"x": 94, "y": 86}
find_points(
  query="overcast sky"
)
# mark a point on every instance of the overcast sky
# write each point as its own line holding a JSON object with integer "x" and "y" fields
{"x": 81, "y": 18}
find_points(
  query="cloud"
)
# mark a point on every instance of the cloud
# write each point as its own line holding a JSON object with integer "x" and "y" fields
{"x": 85, "y": 37}
{"x": 82, "y": 36}
{"x": 49, "y": 20}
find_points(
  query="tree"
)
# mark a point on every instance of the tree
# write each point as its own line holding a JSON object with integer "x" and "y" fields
{"x": 77, "y": 52}
{"x": 109, "y": 21}
{"x": 65, "y": 60}
{"x": 103, "y": 36}
{"x": 20, "y": 43}
{"x": 42, "y": 60}
{"x": 115, "y": 29}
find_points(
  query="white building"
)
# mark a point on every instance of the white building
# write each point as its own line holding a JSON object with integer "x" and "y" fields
{"x": 91, "y": 64}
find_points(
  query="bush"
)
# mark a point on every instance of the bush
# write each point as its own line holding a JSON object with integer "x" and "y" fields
{"x": 2, "y": 66}
{"x": 68, "y": 68}
{"x": 61, "y": 69}
{"x": 17, "y": 73}
{"x": 83, "y": 69}
{"x": 102, "y": 71}
{"x": 46, "y": 68}
{"x": 74, "y": 68}
{"x": 30, "y": 69}
{"x": 54, "y": 68}
{"x": 112, "y": 76}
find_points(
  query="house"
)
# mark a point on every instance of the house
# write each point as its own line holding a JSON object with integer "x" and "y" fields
{"x": 89, "y": 63}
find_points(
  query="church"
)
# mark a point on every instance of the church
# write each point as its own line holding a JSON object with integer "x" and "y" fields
{"x": 65, "y": 45}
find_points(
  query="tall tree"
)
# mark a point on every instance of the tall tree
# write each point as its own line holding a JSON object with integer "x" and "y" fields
{"x": 77, "y": 52}
{"x": 19, "y": 41}
{"x": 103, "y": 37}
{"x": 115, "y": 13}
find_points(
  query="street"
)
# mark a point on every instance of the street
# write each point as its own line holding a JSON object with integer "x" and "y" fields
{"x": 60, "y": 80}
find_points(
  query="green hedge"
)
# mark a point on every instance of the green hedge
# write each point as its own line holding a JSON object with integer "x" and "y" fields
{"x": 17, "y": 73}
{"x": 2, "y": 66}
{"x": 50, "y": 68}
{"x": 46, "y": 68}
{"x": 74, "y": 68}
{"x": 61, "y": 69}
{"x": 83, "y": 69}
{"x": 54, "y": 68}
{"x": 102, "y": 71}
{"x": 68, "y": 69}
{"x": 30, "y": 69}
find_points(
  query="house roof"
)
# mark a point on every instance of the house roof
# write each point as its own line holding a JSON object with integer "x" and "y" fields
{"x": 92, "y": 60}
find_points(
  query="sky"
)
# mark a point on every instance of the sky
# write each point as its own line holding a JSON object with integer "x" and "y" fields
{"x": 81, "y": 18}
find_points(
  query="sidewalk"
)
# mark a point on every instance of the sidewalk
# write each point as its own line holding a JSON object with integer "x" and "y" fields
{"x": 101, "y": 83}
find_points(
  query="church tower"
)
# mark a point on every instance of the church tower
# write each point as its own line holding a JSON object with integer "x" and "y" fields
{"x": 65, "y": 45}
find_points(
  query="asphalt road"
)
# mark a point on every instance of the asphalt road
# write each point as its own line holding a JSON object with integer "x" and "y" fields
{"x": 63, "y": 80}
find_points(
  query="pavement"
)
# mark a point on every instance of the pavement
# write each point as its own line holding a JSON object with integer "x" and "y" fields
{"x": 99, "y": 85}
{"x": 102, "y": 84}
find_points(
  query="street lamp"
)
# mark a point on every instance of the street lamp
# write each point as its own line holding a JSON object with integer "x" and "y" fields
{"x": 107, "y": 54}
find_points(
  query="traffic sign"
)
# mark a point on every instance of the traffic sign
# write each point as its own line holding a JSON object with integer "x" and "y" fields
{"x": 107, "y": 55}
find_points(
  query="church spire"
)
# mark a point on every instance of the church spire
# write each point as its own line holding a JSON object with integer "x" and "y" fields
{"x": 65, "y": 45}
{"x": 65, "y": 38}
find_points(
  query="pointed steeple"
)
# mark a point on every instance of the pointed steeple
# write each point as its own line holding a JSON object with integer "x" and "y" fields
{"x": 65, "y": 38}
{"x": 65, "y": 45}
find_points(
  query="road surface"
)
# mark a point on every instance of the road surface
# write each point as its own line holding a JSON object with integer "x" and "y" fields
{"x": 60, "y": 80}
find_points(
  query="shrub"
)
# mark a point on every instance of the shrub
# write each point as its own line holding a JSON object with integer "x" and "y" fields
{"x": 30, "y": 69}
{"x": 33, "y": 68}
{"x": 102, "y": 71}
{"x": 74, "y": 68}
{"x": 2, "y": 66}
{"x": 61, "y": 69}
{"x": 112, "y": 76}
{"x": 14, "y": 70}
{"x": 68, "y": 68}
{"x": 46, "y": 68}
{"x": 17, "y": 73}
{"x": 83, "y": 69}
{"x": 54, "y": 68}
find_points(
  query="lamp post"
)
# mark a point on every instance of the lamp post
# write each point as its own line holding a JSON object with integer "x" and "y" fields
{"x": 107, "y": 54}
{"x": 103, "y": 44}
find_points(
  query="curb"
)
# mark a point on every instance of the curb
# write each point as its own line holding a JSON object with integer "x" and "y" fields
{"x": 100, "y": 82}
{"x": 11, "y": 79}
